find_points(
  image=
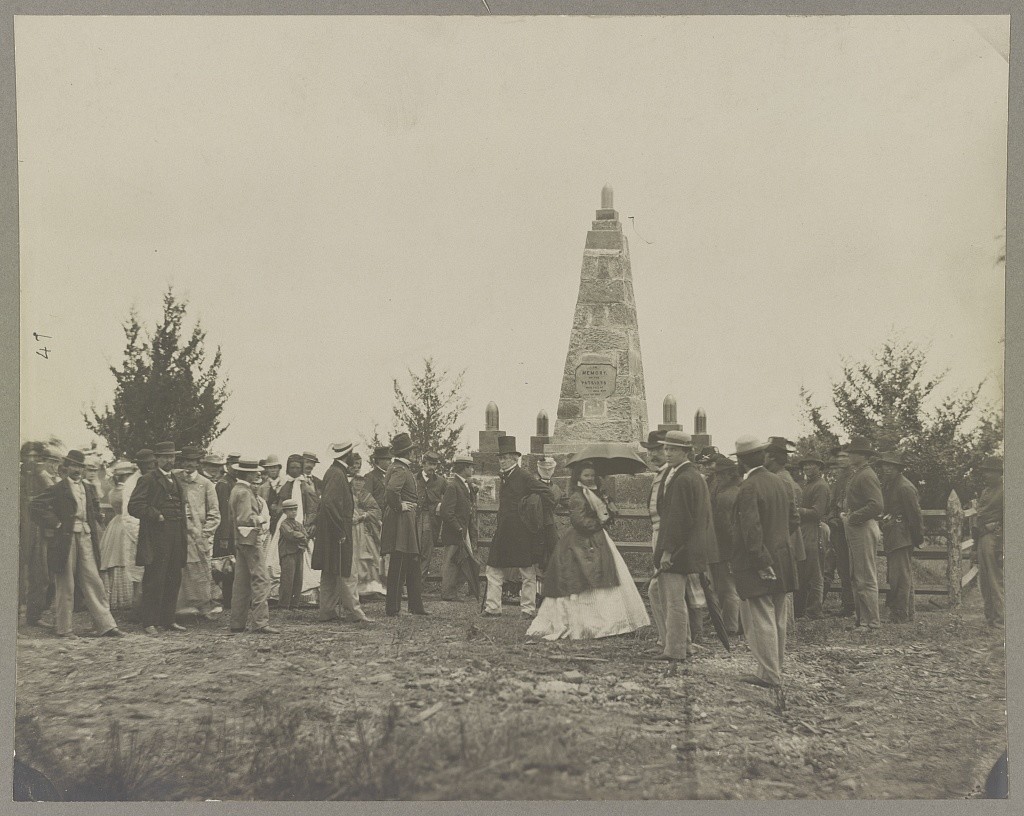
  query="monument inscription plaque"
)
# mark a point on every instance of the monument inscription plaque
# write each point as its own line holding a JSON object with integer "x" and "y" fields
{"x": 595, "y": 379}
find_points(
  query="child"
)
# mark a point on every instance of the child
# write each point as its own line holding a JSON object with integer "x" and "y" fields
{"x": 292, "y": 542}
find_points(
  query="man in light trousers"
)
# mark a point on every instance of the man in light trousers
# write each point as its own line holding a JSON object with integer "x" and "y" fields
{"x": 863, "y": 505}
{"x": 251, "y": 519}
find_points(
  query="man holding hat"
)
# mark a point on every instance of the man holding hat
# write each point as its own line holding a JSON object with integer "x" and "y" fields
{"x": 70, "y": 511}
{"x": 513, "y": 545}
{"x": 202, "y": 520}
{"x": 763, "y": 562}
{"x": 990, "y": 541}
{"x": 686, "y": 533}
{"x": 862, "y": 505}
{"x": 814, "y": 503}
{"x": 902, "y": 530}
{"x": 158, "y": 501}
{"x": 400, "y": 532}
{"x": 430, "y": 487}
{"x": 458, "y": 533}
{"x": 332, "y": 546}
{"x": 250, "y": 517}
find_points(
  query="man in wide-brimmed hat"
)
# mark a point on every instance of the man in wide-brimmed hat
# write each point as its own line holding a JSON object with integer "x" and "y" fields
{"x": 686, "y": 535}
{"x": 862, "y": 506}
{"x": 814, "y": 503}
{"x": 333, "y": 544}
{"x": 250, "y": 517}
{"x": 763, "y": 562}
{"x": 400, "y": 532}
{"x": 158, "y": 501}
{"x": 902, "y": 530}
{"x": 514, "y": 546}
{"x": 202, "y": 522}
{"x": 990, "y": 540}
{"x": 69, "y": 511}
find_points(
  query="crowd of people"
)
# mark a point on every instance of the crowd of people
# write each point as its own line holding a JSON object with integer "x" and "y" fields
{"x": 194, "y": 533}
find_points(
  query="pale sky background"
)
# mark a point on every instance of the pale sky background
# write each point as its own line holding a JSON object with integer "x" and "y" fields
{"x": 339, "y": 197}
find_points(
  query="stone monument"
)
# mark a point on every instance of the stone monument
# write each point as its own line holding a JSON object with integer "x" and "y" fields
{"x": 602, "y": 398}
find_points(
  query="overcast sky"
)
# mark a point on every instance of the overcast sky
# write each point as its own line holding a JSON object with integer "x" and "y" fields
{"x": 340, "y": 197}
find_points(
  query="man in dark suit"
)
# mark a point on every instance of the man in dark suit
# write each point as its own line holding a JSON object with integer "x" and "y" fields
{"x": 69, "y": 512}
{"x": 374, "y": 480}
{"x": 399, "y": 537}
{"x": 158, "y": 502}
{"x": 902, "y": 530}
{"x": 763, "y": 561}
{"x": 332, "y": 549}
{"x": 310, "y": 461}
{"x": 513, "y": 545}
{"x": 457, "y": 534}
{"x": 224, "y": 538}
{"x": 862, "y": 506}
{"x": 686, "y": 533}
{"x": 431, "y": 487}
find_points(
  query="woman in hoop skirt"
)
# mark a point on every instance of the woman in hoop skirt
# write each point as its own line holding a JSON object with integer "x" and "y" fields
{"x": 588, "y": 590}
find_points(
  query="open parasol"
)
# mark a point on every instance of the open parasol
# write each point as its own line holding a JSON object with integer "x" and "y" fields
{"x": 610, "y": 459}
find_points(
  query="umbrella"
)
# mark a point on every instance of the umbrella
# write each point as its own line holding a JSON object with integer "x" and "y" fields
{"x": 610, "y": 459}
{"x": 715, "y": 612}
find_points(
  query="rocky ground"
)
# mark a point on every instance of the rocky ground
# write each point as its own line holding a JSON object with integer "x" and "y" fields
{"x": 455, "y": 706}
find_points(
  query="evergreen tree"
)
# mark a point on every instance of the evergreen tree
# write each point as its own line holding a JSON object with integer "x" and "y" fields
{"x": 165, "y": 390}
{"x": 430, "y": 411}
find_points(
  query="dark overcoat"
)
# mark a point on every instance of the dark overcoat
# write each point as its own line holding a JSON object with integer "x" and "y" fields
{"x": 332, "y": 545}
{"x": 399, "y": 530}
{"x": 724, "y": 506}
{"x": 582, "y": 558}
{"x": 151, "y": 489}
{"x": 903, "y": 524}
{"x": 55, "y": 510}
{"x": 374, "y": 482}
{"x": 456, "y": 513}
{"x": 687, "y": 528}
{"x": 513, "y": 544}
{"x": 763, "y": 523}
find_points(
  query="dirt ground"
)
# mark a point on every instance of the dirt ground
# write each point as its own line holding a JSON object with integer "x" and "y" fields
{"x": 455, "y": 706}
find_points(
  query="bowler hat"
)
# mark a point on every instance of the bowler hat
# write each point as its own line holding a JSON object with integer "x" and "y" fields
{"x": 144, "y": 455}
{"x": 382, "y": 452}
{"x": 992, "y": 463}
{"x": 462, "y": 461}
{"x": 891, "y": 457}
{"x": 401, "y": 444}
{"x": 247, "y": 466}
{"x": 678, "y": 439}
{"x": 749, "y": 444}
{"x": 654, "y": 440}
{"x": 190, "y": 453}
{"x": 74, "y": 457}
{"x": 164, "y": 449}
{"x": 339, "y": 450}
{"x": 861, "y": 445}
{"x": 507, "y": 446}
{"x": 812, "y": 459}
{"x": 430, "y": 456}
{"x": 309, "y": 456}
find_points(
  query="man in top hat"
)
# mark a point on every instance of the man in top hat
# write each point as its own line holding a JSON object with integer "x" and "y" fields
{"x": 332, "y": 546}
{"x": 430, "y": 486}
{"x": 202, "y": 509}
{"x": 686, "y": 533}
{"x": 70, "y": 510}
{"x": 656, "y": 454}
{"x": 381, "y": 461}
{"x": 862, "y": 505}
{"x": 212, "y": 466}
{"x": 990, "y": 540}
{"x": 458, "y": 532}
{"x": 763, "y": 562}
{"x": 723, "y": 506}
{"x": 310, "y": 461}
{"x": 400, "y": 532}
{"x": 513, "y": 545}
{"x": 159, "y": 503}
{"x": 814, "y": 504}
{"x": 902, "y": 530}
{"x": 250, "y": 517}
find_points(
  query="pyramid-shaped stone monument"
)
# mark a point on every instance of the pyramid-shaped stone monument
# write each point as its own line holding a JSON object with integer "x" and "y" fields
{"x": 603, "y": 397}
